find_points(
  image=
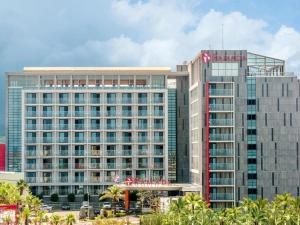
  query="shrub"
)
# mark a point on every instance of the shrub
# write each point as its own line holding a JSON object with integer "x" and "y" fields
{"x": 99, "y": 221}
{"x": 120, "y": 214}
{"x": 54, "y": 197}
{"x": 71, "y": 197}
{"x": 40, "y": 196}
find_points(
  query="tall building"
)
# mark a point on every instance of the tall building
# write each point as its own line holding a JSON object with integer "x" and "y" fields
{"x": 227, "y": 123}
{"x": 244, "y": 126}
{"x": 73, "y": 129}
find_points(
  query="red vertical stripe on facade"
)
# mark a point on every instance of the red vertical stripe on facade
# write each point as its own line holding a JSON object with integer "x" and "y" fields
{"x": 207, "y": 145}
{"x": 2, "y": 156}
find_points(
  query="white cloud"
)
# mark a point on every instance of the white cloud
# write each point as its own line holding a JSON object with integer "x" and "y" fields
{"x": 169, "y": 32}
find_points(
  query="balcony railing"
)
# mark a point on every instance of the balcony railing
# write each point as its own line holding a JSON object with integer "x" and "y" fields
{"x": 158, "y": 152}
{"x": 64, "y": 113}
{"x": 221, "y": 181}
{"x": 221, "y": 92}
{"x": 142, "y": 151}
{"x": 63, "y": 166}
{"x": 31, "y": 140}
{"x": 47, "y": 166}
{"x": 221, "y": 166}
{"x": 47, "y": 114}
{"x": 63, "y": 101}
{"x": 158, "y": 113}
{"x": 142, "y": 113}
{"x": 126, "y": 165}
{"x": 79, "y": 152}
{"x": 221, "y": 107}
{"x": 158, "y": 165}
{"x": 127, "y": 152}
{"x": 95, "y": 166}
{"x": 63, "y": 152}
{"x": 158, "y": 126}
{"x": 79, "y": 166}
{"x": 31, "y": 179}
{"x": 63, "y": 179}
{"x": 221, "y": 122}
{"x": 221, "y": 196}
{"x": 127, "y": 139}
{"x": 126, "y": 113}
{"x": 47, "y": 140}
{"x": 31, "y": 113}
{"x": 30, "y": 153}
{"x": 143, "y": 165}
{"x": 95, "y": 179}
{"x": 31, "y": 101}
{"x": 110, "y": 165}
{"x": 143, "y": 140}
{"x": 111, "y": 153}
{"x": 95, "y": 113}
{"x": 221, "y": 152}
{"x": 79, "y": 179}
{"x": 95, "y": 152}
{"x": 47, "y": 179}
{"x": 31, "y": 126}
{"x": 126, "y": 126}
{"x": 31, "y": 166}
{"x": 63, "y": 139}
{"x": 221, "y": 137}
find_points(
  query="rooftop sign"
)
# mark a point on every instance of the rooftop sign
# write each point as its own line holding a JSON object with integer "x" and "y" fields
{"x": 207, "y": 57}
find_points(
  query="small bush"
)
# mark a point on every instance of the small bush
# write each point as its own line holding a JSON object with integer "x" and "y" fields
{"x": 54, "y": 197}
{"x": 71, "y": 197}
{"x": 120, "y": 214}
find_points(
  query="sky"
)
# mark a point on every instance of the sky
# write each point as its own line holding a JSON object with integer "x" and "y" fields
{"x": 141, "y": 33}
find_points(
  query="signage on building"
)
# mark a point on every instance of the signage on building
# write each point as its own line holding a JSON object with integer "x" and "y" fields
{"x": 136, "y": 181}
{"x": 207, "y": 57}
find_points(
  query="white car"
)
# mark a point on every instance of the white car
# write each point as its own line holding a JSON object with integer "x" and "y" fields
{"x": 47, "y": 208}
{"x": 106, "y": 205}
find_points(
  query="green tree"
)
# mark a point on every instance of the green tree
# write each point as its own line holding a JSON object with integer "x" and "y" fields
{"x": 114, "y": 193}
{"x": 71, "y": 197}
{"x": 22, "y": 186}
{"x": 54, "y": 197}
{"x": 55, "y": 219}
{"x": 70, "y": 219}
{"x": 25, "y": 215}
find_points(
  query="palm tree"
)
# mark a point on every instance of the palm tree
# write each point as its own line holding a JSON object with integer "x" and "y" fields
{"x": 295, "y": 210}
{"x": 55, "y": 219}
{"x": 39, "y": 218}
{"x": 114, "y": 193}
{"x": 7, "y": 220}
{"x": 25, "y": 215}
{"x": 22, "y": 186}
{"x": 70, "y": 219}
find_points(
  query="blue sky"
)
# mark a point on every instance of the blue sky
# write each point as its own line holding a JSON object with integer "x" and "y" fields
{"x": 141, "y": 33}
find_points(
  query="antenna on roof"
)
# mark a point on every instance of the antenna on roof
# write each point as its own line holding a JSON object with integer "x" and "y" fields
{"x": 222, "y": 36}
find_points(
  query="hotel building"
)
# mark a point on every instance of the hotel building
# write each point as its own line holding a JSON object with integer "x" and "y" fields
{"x": 226, "y": 122}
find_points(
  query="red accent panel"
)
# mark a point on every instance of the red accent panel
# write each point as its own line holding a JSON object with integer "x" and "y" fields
{"x": 2, "y": 157}
{"x": 8, "y": 207}
{"x": 207, "y": 145}
{"x": 126, "y": 200}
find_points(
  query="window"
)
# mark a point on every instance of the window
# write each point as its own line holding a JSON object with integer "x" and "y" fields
{"x": 225, "y": 69}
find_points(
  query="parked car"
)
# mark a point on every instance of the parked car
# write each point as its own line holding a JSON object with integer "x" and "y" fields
{"x": 106, "y": 205}
{"x": 46, "y": 208}
{"x": 65, "y": 207}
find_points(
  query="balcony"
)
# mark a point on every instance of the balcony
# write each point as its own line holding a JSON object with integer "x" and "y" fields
{"x": 95, "y": 126}
{"x": 158, "y": 100}
{"x": 31, "y": 166}
{"x": 143, "y": 152}
{"x": 95, "y": 113}
{"x": 64, "y": 113}
{"x": 126, "y": 165}
{"x": 79, "y": 140}
{"x": 63, "y": 101}
{"x": 126, "y": 101}
{"x": 221, "y": 196}
{"x": 31, "y": 153}
{"x": 221, "y": 181}
{"x": 158, "y": 165}
{"x": 79, "y": 113}
{"x": 95, "y": 101}
{"x": 220, "y": 92}
{"x": 47, "y": 153}
{"x": 126, "y": 113}
{"x": 63, "y": 152}
{"x": 47, "y": 127}
{"x": 109, "y": 179}
{"x": 95, "y": 179}
{"x": 79, "y": 152}
{"x": 158, "y": 113}
{"x": 111, "y": 127}
{"x": 126, "y": 126}
{"x": 79, "y": 127}
{"x": 221, "y": 107}
{"x": 47, "y": 166}
{"x": 79, "y": 100}
{"x": 142, "y": 113}
{"x": 111, "y": 101}
{"x": 221, "y": 166}
{"x": 127, "y": 152}
{"x": 79, "y": 166}
{"x": 142, "y": 127}
{"x": 31, "y": 113}
{"x": 95, "y": 153}
{"x": 63, "y": 166}
{"x": 143, "y": 140}
{"x": 47, "y": 113}
{"x": 31, "y": 126}
{"x": 110, "y": 166}
{"x": 111, "y": 140}
{"x": 127, "y": 139}
{"x": 142, "y": 165}
{"x": 63, "y": 179}
{"x": 142, "y": 100}
{"x": 221, "y": 137}
{"x": 31, "y": 179}
{"x": 47, "y": 100}
{"x": 95, "y": 166}
{"x": 63, "y": 139}
{"x": 158, "y": 126}
{"x": 47, "y": 179}
{"x": 79, "y": 179}
{"x": 31, "y": 140}
{"x": 31, "y": 101}
{"x": 158, "y": 152}
{"x": 63, "y": 127}
{"x": 158, "y": 139}
{"x": 221, "y": 122}
{"x": 47, "y": 139}
{"x": 111, "y": 152}
{"x": 95, "y": 139}
{"x": 221, "y": 152}
{"x": 111, "y": 113}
